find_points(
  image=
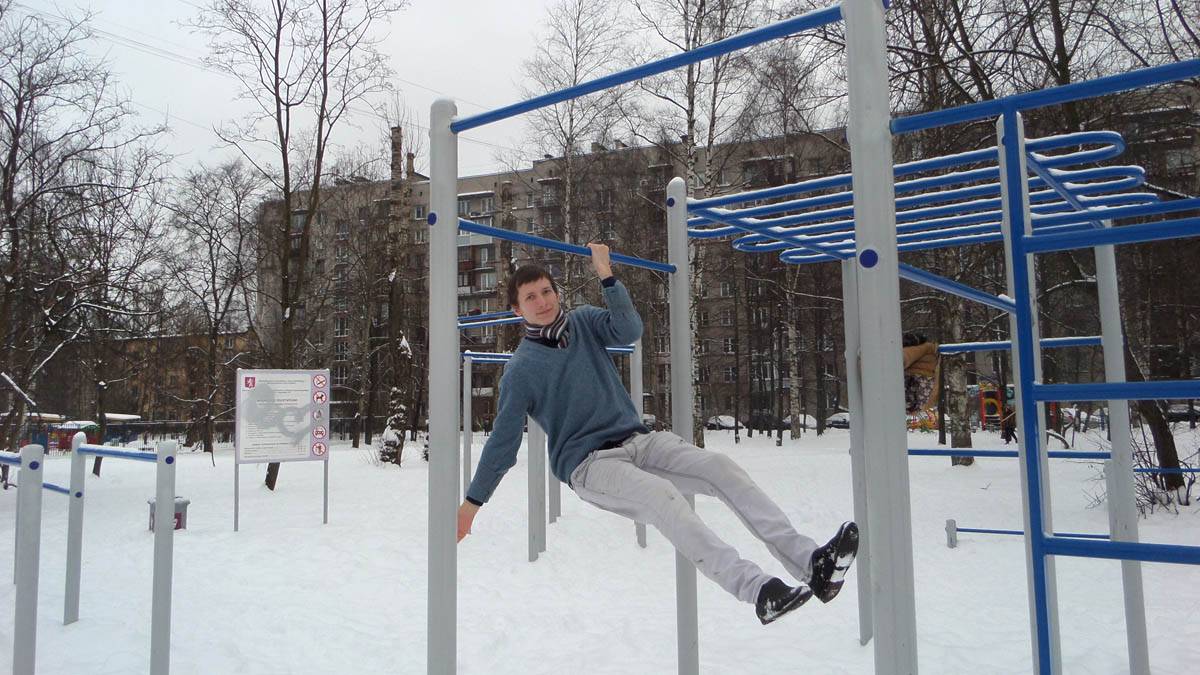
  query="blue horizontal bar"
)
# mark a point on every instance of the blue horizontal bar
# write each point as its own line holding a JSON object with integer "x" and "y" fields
{"x": 814, "y": 19}
{"x": 1118, "y": 391}
{"x": 1123, "y": 550}
{"x": 56, "y": 488}
{"x": 1152, "y": 208}
{"x": 10, "y": 459}
{"x": 498, "y": 356}
{"x": 970, "y": 452}
{"x": 1162, "y": 470}
{"x": 1002, "y": 345}
{"x": 1021, "y": 533}
{"x": 493, "y": 322}
{"x": 531, "y": 240}
{"x": 484, "y": 317}
{"x": 1108, "y": 236}
{"x": 1045, "y": 97}
{"x": 106, "y": 451}
{"x": 941, "y": 283}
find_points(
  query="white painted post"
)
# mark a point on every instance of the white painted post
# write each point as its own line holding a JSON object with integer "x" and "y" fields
{"x": 858, "y": 467}
{"x": 884, "y": 438}
{"x": 74, "y": 531}
{"x": 681, "y": 409}
{"x": 1118, "y": 474}
{"x": 164, "y": 539}
{"x": 537, "y": 491}
{"x": 29, "y": 542}
{"x": 635, "y": 393}
{"x": 554, "y": 498}
{"x": 466, "y": 425}
{"x": 1047, "y": 524}
{"x": 442, "y": 602}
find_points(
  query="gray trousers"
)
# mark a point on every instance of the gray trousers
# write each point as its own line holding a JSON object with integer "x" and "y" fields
{"x": 646, "y": 480}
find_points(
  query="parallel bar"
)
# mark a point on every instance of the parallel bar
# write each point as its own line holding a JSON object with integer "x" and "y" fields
{"x": 508, "y": 355}
{"x": 954, "y": 288}
{"x": 467, "y": 325}
{"x": 529, "y": 239}
{"x": 119, "y": 453}
{"x": 484, "y": 317}
{"x": 10, "y": 459}
{"x": 1126, "y": 234}
{"x": 1019, "y": 533}
{"x": 968, "y": 452}
{"x": 1161, "y": 470}
{"x": 56, "y": 488}
{"x": 1055, "y": 95}
{"x": 467, "y": 427}
{"x": 1122, "y": 550}
{"x": 737, "y": 42}
{"x": 1118, "y": 391}
{"x": 1002, "y": 345}
{"x": 1087, "y": 214}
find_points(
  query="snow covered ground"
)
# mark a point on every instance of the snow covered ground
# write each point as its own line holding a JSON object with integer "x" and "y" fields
{"x": 289, "y": 595}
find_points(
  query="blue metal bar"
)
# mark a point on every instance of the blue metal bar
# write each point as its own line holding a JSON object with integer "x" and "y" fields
{"x": 482, "y": 356}
{"x": 1001, "y": 345}
{"x": 484, "y": 317}
{"x": 1127, "y": 234}
{"x": 1124, "y": 550}
{"x": 1020, "y": 533}
{"x": 1118, "y": 391}
{"x": 531, "y": 240}
{"x": 1045, "y": 97}
{"x": 1162, "y": 470}
{"x": 814, "y": 19}
{"x": 10, "y": 459}
{"x": 969, "y": 452}
{"x": 467, "y": 325}
{"x": 56, "y": 488}
{"x": 118, "y": 453}
{"x": 1153, "y": 208}
{"x": 954, "y": 288}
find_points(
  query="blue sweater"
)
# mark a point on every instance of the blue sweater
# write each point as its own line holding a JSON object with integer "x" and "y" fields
{"x": 575, "y": 394}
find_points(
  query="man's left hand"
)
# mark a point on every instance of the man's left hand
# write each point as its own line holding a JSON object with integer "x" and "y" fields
{"x": 600, "y": 260}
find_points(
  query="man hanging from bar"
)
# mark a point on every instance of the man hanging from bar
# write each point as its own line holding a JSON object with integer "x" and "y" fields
{"x": 563, "y": 377}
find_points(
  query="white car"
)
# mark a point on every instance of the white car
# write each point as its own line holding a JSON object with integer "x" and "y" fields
{"x": 838, "y": 420}
{"x": 718, "y": 422}
{"x": 806, "y": 421}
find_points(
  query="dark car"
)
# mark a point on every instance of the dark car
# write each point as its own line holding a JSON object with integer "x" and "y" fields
{"x": 1180, "y": 412}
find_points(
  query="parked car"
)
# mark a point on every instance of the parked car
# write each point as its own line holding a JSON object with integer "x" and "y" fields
{"x": 806, "y": 422}
{"x": 719, "y": 422}
{"x": 765, "y": 422}
{"x": 838, "y": 420}
{"x": 1180, "y": 412}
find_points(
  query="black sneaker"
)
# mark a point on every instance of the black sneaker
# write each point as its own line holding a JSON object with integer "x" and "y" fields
{"x": 777, "y": 598}
{"x": 830, "y": 562}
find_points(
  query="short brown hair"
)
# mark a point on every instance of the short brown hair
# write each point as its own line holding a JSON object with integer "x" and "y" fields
{"x": 527, "y": 275}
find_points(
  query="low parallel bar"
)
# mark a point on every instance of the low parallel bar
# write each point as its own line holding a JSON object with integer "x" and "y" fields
{"x": 1126, "y": 234}
{"x": 1123, "y": 550}
{"x": 485, "y": 317}
{"x": 118, "y": 453}
{"x": 954, "y": 288}
{"x": 1078, "y": 91}
{"x": 10, "y": 459}
{"x": 969, "y": 452}
{"x": 1118, "y": 391}
{"x": 1162, "y": 470}
{"x": 1004, "y": 345}
{"x": 814, "y": 19}
{"x": 467, "y": 325}
{"x": 504, "y": 356}
{"x": 1021, "y": 533}
{"x": 508, "y": 235}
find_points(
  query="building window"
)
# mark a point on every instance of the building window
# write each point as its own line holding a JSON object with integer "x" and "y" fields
{"x": 530, "y": 199}
{"x": 488, "y": 205}
{"x": 319, "y": 267}
{"x": 727, "y": 345}
{"x": 487, "y": 279}
{"x": 703, "y": 373}
{"x": 341, "y": 252}
{"x": 341, "y": 326}
{"x": 464, "y": 279}
{"x": 726, "y": 317}
{"x": 418, "y": 212}
{"x": 420, "y": 235}
{"x": 464, "y": 254}
{"x": 664, "y": 372}
{"x": 730, "y": 373}
{"x": 295, "y": 243}
{"x": 341, "y": 350}
{"x": 702, "y": 319}
{"x": 342, "y": 304}
{"x": 702, "y": 347}
{"x": 464, "y": 207}
{"x": 340, "y": 375}
{"x": 529, "y": 224}
{"x": 342, "y": 229}
{"x": 662, "y": 344}
{"x": 762, "y": 316}
{"x": 298, "y": 222}
{"x": 727, "y": 289}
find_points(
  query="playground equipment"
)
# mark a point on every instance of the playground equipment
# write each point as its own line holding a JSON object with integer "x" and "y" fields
{"x": 28, "y": 553}
{"x": 1066, "y": 205}
{"x": 952, "y": 530}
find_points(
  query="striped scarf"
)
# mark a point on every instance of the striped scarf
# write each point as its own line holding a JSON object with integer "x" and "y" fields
{"x": 555, "y": 331}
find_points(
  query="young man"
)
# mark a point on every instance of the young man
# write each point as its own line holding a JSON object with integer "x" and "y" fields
{"x": 563, "y": 377}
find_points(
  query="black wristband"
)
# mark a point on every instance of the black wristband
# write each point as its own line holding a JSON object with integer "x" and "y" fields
{"x": 473, "y": 501}
{"x": 608, "y": 282}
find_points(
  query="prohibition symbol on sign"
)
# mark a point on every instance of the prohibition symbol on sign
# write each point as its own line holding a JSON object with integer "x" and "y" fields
{"x": 319, "y": 449}
{"x": 320, "y": 397}
{"x": 319, "y": 432}
{"x": 317, "y": 415}
{"x": 319, "y": 381}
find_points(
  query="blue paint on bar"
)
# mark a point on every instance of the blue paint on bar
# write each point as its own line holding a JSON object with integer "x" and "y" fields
{"x": 970, "y": 452}
{"x": 1128, "y": 234}
{"x": 484, "y": 317}
{"x": 1020, "y": 533}
{"x": 1004, "y": 345}
{"x": 1162, "y": 470}
{"x": 932, "y": 280}
{"x": 493, "y": 322}
{"x": 10, "y": 459}
{"x": 1056, "y": 95}
{"x": 737, "y": 42}
{"x": 529, "y": 239}
{"x": 56, "y": 488}
{"x": 1118, "y": 391}
{"x": 1124, "y": 550}
{"x": 118, "y": 453}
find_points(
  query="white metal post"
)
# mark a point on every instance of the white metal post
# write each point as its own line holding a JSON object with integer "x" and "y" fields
{"x": 681, "y": 409}
{"x": 858, "y": 468}
{"x": 635, "y": 393}
{"x": 1122, "y": 507}
{"x": 164, "y": 538}
{"x": 466, "y": 425}
{"x": 554, "y": 496}
{"x": 537, "y": 491}
{"x": 1047, "y": 524}
{"x": 74, "y": 531}
{"x": 443, "y": 403}
{"x": 883, "y": 437}
{"x": 29, "y": 541}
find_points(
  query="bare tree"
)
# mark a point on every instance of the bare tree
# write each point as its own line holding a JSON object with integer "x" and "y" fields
{"x": 302, "y": 65}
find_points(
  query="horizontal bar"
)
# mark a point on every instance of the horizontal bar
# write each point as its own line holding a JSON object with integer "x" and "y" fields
{"x": 1122, "y": 550}
{"x": 484, "y": 317}
{"x": 493, "y": 322}
{"x": 1021, "y": 533}
{"x": 1055, "y": 95}
{"x": 814, "y": 19}
{"x": 10, "y": 459}
{"x": 970, "y": 452}
{"x": 1150, "y": 208}
{"x": 1126, "y": 234}
{"x": 56, "y": 488}
{"x": 1162, "y": 470}
{"x": 1002, "y": 345}
{"x": 954, "y": 288}
{"x": 108, "y": 451}
{"x": 1118, "y": 391}
{"x": 531, "y": 240}
{"x": 508, "y": 355}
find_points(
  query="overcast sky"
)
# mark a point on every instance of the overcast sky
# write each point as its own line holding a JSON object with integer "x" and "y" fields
{"x": 470, "y": 50}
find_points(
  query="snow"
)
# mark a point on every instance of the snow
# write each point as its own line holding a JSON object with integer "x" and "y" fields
{"x": 287, "y": 594}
